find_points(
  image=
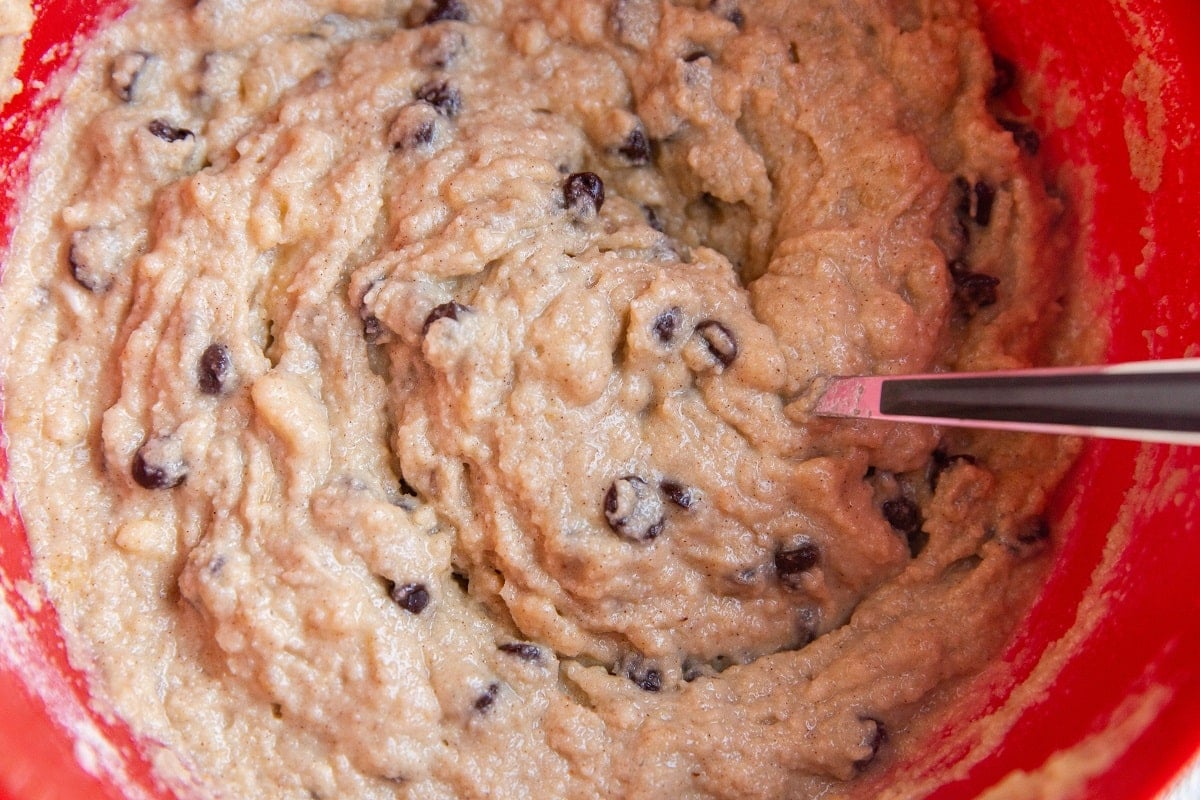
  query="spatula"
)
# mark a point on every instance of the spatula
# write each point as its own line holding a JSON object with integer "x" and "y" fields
{"x": 1152, "y": 401}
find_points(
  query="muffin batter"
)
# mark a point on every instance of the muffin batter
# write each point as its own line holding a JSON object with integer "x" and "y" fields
{"x": 15, "y": 20}
{"x": 413, "y": 402}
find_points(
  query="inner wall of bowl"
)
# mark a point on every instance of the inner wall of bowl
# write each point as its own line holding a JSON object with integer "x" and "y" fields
{"x": 1099, "y": 696}
{"x": 52, "y": 744}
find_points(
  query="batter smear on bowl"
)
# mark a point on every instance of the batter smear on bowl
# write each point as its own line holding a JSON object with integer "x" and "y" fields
{"x": 412, "y": 401}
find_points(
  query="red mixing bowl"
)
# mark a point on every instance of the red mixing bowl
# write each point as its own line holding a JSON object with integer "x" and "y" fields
{"x": 1101, "y": 694}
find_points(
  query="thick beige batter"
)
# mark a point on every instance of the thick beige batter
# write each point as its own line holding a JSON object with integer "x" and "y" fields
{"x": 412, "y": 402}
{"x": 15, "y": 20}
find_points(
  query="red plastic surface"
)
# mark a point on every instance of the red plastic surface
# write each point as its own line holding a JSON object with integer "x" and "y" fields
{"x": 1147, "y": 641}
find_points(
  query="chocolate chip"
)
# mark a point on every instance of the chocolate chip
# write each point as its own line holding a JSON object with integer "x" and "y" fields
{"x": 647, "y": 678}
{"x": 985, "y": 198}
{"x": 442, "y": 96}
{"x": 1026, "y": 137}
{"x": 652, "y": 218}
{"x": 902, "y": 514}
{"x": 1036, "y": 532}
{"x": 583, "y": 193}
{"x": 729, "y": 10}
{"x": 917, "y": 540}
{"x": 451, "y": 311}
{"x": 1029, "y": 538}
{"x": 522, "y": 650}
{"x": 415, "y": 127}
{"x": 406, "y": 488}
{"x": 215, "y": 372}
{"x": 682, "y": 496}
{"x": 650, "y": 680}
{"x": 96, "y": 256}
{"x": 975, "y": 202}
{"x": 636, "y": 147}
{"x": 940, "y": 461}
{"x": 972, "y": 290}
{"x": 875, "y": 738}
{"x": 962, "y": 190}
{"x": 975, "y": 290}
{"x": 127, "y": 71}
{"x": 1006, "y": 76}
{"x": 486, "y": 700}
{"x": 667, "y": 323}
{"x": 792, "y": 562}
{"x": 84, "y": 275}
{"x": 719, "y": 341}
{"x": 412, "y": 597}
{"x": 422, "y": 134}
{"x": 633, "y": 510}
{"x": 158, "y": 464}
{"x": 168, "y": 132}
{"x": 958, "y": 231}
{"x": 447, "y": 11}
